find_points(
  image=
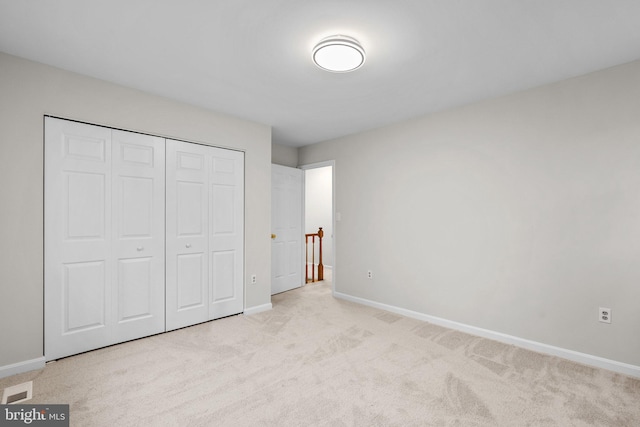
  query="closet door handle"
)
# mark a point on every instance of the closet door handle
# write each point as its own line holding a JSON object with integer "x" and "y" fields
{"x": 188, "y": 245}
{"x": 140, "y": 248}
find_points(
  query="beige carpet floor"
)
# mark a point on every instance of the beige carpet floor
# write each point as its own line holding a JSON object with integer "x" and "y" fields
{"x": 316, "y": 360}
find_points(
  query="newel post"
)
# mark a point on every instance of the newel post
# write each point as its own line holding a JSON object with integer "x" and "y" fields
{"x": 320, "y": 266}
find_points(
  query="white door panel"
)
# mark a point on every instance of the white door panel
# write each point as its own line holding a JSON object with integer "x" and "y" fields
{"x": 135, "y": 289}
{"x": 226, "y": 233}
{"x": 222, "y": 277}
{"x": 190, "y": 283}
{"x": 77, "y": 238}
{"x": 190, "y": 208}
{"x": 85, "y": 214}
{"x": 84, "y": 281}
{"x": 104, "y": 237}
{"x": 205, "y": 233}
{"x": 286, "y": 219}
{"x": 186, "y": 238}
{"x": 138, "y": 207}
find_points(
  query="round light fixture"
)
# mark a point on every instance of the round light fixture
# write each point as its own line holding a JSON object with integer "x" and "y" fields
{"x": 339, "y": 54}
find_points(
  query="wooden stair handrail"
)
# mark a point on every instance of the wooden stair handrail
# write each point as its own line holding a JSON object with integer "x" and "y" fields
{"x": 313, "y": 236}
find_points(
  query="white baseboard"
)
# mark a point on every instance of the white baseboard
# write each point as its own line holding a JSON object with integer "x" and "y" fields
{"x": 257, "y": 309}
{"x": 20, "y": 367}
{"x": 575, "y": 356}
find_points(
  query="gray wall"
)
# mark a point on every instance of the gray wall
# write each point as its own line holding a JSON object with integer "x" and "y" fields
{"x": 284, "y": 155}
{"x": 519, "y": 215}
{"x": 28, "y": 92}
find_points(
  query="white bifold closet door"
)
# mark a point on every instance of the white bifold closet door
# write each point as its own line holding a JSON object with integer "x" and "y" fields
{"x": 204, "y": 233}
{"x": 104, "y": 236}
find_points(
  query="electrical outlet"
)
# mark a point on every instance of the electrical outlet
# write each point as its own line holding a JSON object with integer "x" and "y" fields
{"x": 254, "y": 279}
{"x": 369, "y": 274}
{"x": 604, "y": 315}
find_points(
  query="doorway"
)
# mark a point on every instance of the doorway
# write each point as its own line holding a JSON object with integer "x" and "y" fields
{"x": 319, "y": 202}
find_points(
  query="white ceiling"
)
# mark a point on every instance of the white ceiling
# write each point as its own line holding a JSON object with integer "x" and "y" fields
{"x": 252, "y": 58}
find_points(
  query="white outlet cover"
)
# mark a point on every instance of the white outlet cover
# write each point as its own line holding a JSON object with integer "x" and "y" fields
{"x": 604, "y": 315}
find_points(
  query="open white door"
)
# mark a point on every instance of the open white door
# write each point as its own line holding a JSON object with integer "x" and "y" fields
{"x": 286, "y": 224}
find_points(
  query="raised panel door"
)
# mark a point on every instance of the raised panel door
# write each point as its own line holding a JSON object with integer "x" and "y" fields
{"x": 286, "y": 221}
{"x": 187, "y": 269}
{"x": 104, "y": 236}
{"x": 78, "y": 265}
{"x": 138, "y": 205}
{"x": 226, "y": 232}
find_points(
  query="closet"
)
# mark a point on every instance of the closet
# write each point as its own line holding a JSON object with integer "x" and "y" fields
{"x": 142, "y": 235}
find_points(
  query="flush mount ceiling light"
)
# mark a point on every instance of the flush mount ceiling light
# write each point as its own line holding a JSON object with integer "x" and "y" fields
{"x": 339, "y": 54}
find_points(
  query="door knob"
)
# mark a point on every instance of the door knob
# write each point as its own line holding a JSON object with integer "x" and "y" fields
{"x": 140, "y": 248}
{"x": 273, "y": 236}
{"x": 188, "y": 245}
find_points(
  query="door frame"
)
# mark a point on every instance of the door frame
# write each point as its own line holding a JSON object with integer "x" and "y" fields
{"x": 317, "y": 165}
